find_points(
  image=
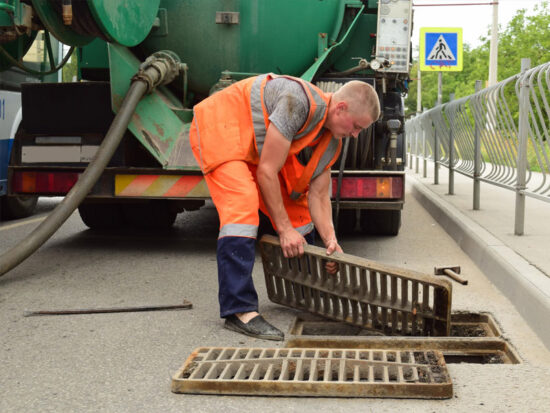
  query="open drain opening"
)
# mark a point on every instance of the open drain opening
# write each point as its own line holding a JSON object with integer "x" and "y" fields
{"x": 476, "y": 338}
{"x": 490, "y": 358}
{"x": 462, "y": 325}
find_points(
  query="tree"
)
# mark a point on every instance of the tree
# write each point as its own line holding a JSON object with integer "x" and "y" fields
{"x": 70, "y": 69}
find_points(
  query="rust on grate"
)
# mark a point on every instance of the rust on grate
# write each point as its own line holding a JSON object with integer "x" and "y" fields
{"x": 315, "y": 372}
{"x": 365, "y": 293}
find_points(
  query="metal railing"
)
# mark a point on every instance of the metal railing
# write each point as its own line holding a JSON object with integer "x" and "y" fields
{"x": 498, "y": 135}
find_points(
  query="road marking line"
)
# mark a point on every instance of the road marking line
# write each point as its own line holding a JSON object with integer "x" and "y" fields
{"x": 18, "y": 224}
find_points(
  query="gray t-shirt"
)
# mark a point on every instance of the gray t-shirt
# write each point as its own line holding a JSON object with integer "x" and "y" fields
{"x": 287, "y": 105}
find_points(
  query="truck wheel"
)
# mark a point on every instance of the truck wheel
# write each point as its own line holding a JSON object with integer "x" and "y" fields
{"x": 18, "y": 206}
{"x": 347, "y": 219}
{"x": 155, "y": 214}
{"x": 101, "y": 216}
{"x": 380, "y": 221}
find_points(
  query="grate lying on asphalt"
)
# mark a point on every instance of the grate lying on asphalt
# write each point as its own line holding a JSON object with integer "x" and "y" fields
{"x": 314, "y": 372}
{"x": 364, "y": 293}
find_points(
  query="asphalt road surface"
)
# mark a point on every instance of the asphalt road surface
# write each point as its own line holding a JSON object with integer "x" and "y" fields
{"x": 124, "y": 362}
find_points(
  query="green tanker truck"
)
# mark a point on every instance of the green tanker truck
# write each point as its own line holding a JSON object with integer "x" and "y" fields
{"x": 198, "y": 47}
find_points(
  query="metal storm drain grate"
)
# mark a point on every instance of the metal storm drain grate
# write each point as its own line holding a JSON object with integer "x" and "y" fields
{"x": 315, "y": 372}
{"x": 364, "y": 293}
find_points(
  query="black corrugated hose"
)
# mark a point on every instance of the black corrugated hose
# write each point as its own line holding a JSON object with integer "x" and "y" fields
{"x": 140, "y": 85}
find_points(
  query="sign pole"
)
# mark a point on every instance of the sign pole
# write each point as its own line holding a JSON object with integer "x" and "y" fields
{"x": 419, "y": 93}
{"x": 439, "y": 88}
{"x": 493, "y": 50}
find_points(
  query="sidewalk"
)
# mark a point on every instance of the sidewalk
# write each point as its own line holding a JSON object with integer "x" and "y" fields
{"x": 518, "y": 265}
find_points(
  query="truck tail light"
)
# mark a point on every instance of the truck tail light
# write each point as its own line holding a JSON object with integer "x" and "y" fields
{"x": 369, "y": 187}
{"x": 43, "y": 182}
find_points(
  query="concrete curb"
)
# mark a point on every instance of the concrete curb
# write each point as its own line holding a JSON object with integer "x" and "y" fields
{"x": 521, "y": 282}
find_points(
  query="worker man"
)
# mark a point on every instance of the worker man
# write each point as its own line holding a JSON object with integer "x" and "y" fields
{"x": 246, "y": 139}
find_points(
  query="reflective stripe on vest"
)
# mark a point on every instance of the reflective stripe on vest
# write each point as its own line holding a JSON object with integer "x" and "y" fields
{"x": 256, "y": 97}
{"x": 318, "y": 115}
{"x": 257, "y": 109}
{"x": 327, "y": 157}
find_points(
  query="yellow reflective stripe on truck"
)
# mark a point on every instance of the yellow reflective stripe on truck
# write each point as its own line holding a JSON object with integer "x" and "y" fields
{"x": 169, "y": 186}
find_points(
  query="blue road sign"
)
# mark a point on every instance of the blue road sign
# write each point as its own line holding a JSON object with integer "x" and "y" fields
{"x": 441, "y": 49}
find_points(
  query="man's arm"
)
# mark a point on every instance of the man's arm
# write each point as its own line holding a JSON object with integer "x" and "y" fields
{"x": 274, "y": 155}
{"x": 320, "y": 209}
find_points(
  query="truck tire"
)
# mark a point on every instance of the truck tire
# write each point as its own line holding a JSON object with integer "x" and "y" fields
{"x": 101, "y": 216}
{"x": 380, "y": 221}
{"x": 347, "y": 220}
{"x": 155, "y": 214}
{"x": 18, "y": 206}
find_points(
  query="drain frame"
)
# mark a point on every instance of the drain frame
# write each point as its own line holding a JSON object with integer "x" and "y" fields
{"x": 394, "y": 373}
{"x": 449, "y": 346}
{"x": 454, "y": 348}
{"x": 459, "y": 320}
{"x": 484, "y": 320}
{"x": 364, "y": 293}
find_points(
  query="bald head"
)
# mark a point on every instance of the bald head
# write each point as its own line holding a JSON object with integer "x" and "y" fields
{"x": 360, "y": 97}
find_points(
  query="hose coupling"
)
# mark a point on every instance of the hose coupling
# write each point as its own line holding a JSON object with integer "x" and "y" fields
{"x": 158, "y": 69}
{"x": 393, "y": 125}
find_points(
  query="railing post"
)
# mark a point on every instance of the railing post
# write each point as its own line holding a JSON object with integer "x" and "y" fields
{"x": 451, "y": 151}
{"x": 436, "y": 158}
{"x": 436, "y": 143}
{"x": 522, "y": 147}
{"x": 418, "y": 111}
{"x": 417, "y": 149}
{"x": 425, "y": 157}
{"x": 477, "y": 157}
{"x": 410, "y": 140}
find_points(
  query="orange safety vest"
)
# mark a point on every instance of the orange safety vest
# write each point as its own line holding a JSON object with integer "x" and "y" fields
{"x": 225, "y": 131}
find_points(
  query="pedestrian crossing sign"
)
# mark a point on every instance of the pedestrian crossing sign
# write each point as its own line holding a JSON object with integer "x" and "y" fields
{"x": 441, "y": 49}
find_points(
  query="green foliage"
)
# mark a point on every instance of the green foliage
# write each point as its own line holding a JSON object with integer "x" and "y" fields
{"x": 70, "y": 69}
{"x": 524, "y": 36}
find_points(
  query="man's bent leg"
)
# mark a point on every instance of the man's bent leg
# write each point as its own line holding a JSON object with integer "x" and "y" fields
{"x": 235, "y": 195}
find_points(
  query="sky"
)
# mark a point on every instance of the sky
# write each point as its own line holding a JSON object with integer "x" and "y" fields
{"x": 474, "y": 20}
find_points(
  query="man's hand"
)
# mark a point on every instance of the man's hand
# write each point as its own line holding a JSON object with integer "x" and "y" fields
{"x": 331, "y": 266}
{"x": 292, "y": 243}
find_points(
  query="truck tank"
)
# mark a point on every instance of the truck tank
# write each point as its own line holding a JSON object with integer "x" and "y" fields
{"x": 242, "y": 36}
